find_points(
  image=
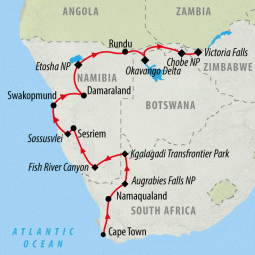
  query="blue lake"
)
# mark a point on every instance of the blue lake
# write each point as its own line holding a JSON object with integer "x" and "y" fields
{"x": 61, "y": 199}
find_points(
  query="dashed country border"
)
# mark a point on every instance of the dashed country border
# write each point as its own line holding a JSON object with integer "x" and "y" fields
{"x": 83, "y": 95}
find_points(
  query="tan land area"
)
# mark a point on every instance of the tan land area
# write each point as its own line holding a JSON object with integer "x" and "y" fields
{"x": 144, "y": 22}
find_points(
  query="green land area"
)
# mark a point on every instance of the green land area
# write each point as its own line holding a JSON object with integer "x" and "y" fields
{"x": 222, "y": 191}
{"x": 131, "y": 20}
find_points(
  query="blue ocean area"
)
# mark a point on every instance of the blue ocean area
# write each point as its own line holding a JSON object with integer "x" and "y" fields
{"x": 32, "y": 202}
{"x": 219, "y": 37}
{"x": 157, "y": 76}
{"x": 76, "y": 58}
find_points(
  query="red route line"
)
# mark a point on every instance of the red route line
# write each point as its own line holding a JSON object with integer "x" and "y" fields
{"x": 75, "y": 81}
{"x": 111, "y": 52}
{"x": 136, "y": 51}
{"x": 107, "y": 217}
{"x": 87, "y": 158}
{"x": 116, "y": 190}
{"x": 103, "y": 161}
{"x": 107, "y": 210}
{"x": 77, "y": 139}
{"x": 117, "y": 155}
{"x": 60, "y": 128}
{"x": 126, "y": 169}
{"x": 120, "y": 53}
{"x": 108, "y": 159}
{"x": 82, "y": 150}
{"x": 105, "y": 225}
{"x": 167, "y": 48}
{"x": 55, "y": 120}
{"x": 65, "y": 95}
{"x": 53, "y": 115}
{"x": 86, "y": 58}
{"x": 70, "y": 94}
{"x": 126, "y": 176}
{"x": 152, "y": 47}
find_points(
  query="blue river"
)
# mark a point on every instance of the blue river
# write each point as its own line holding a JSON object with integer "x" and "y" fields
{"x": 219, "y": 37}
{"x": 60, "y": 199}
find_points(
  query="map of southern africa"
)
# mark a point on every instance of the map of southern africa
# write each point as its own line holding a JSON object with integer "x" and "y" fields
{"x": 133, "y": 120}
